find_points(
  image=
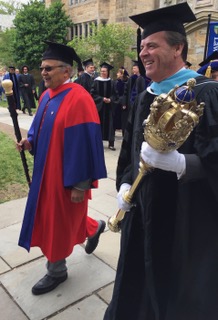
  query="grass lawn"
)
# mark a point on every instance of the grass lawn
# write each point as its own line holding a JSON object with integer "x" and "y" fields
{"x": 13, "y": 184}
{"x": 4, "y": 104}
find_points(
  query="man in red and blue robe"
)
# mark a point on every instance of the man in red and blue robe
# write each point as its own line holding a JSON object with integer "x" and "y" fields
{"x": 65, "y": 140}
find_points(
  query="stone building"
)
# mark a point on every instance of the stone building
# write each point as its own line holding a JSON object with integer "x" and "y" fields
{"x": 85, "y": 12}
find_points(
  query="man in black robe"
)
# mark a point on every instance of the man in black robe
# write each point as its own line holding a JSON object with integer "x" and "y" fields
{"x": 167, "y": 268}
{"x": 11, "y": 75}
{"x": 87, "y": 77}
{"x": 133, "y": 87}
{"x": 106, "y": 98}
{"x": 28, "y": 89}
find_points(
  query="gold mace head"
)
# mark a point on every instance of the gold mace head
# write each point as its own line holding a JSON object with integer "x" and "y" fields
{"x": 172, "y": 118}
{"x": 7, "y": 85}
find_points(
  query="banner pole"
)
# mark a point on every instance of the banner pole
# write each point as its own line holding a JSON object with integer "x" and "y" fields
{"x": 207, "y": 36}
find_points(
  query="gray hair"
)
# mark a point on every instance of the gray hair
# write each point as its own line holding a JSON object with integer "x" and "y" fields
{"x": 173, "y": 38}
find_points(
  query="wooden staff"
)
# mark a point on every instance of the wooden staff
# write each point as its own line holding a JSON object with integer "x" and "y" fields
{"x": 7, "y": 85}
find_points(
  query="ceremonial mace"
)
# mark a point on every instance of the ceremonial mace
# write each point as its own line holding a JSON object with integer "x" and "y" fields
{"x": 7, "y": 85}
{"x": 172, "y": 118}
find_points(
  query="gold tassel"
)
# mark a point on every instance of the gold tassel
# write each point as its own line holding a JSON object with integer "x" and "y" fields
{"x": 208, "y": 72}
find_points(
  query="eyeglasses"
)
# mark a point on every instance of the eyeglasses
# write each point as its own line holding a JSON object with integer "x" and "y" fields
{"x": 48, "y": 69}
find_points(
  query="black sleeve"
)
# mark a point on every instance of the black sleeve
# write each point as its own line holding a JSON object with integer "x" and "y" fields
{"x": 206, "y": 134}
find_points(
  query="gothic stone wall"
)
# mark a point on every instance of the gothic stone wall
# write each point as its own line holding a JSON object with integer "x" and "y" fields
{"x": 119, "y": 11}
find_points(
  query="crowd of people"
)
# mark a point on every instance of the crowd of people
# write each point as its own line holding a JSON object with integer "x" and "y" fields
{"x": 169, "y": 240}
{"x": 24, "y": 88}
{"x": 121, "y": 91}
{"x": 113, "y": 97}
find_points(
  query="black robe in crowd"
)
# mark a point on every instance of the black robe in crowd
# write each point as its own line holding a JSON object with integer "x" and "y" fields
{"x": 27, "y": 92}
{"x": 85, "y": 80}
{"x": 105, "y": 88}
{"x": 119, "y": 118}
{"x": 42, "y": 88}
{"x": 168, "y": 262}
{"x": 134, "y": 86}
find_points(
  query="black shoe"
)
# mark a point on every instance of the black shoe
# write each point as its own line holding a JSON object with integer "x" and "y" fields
{"x": 47, "y": 284}
{"x": 23, "y": 109}
{"x": 30, "y": 114}
{"x": 92, "y": 242}
{"x": 112, "y": 148}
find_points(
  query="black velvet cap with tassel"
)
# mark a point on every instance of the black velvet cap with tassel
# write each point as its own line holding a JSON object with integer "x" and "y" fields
{"x": 209, "y": 65}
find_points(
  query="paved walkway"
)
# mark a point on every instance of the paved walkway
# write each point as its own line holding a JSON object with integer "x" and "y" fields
{"x": 86, "y": 293}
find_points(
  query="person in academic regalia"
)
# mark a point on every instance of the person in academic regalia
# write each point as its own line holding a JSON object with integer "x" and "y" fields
{"x": 11, "y": 75}
{"x": 106, "y": 98}
{"x": 80, "y": 71}
{"x": 209, "y": 67}
{"x": 87, "y": 77}
{"x": 120, "y": 112}
{"x": 42, "y": 88}
{"x": 134, "y": 86}
{"x": 65, "y": 140}
{"x": 167, "y": 268}
{"x": 28, "y": 89}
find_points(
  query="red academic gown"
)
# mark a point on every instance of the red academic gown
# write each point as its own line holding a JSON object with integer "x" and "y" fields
{"x": 67, "y": 148}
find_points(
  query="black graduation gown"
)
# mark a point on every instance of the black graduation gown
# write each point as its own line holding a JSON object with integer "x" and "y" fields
{"x": 42, "y": 88}
{"x": 85, "y": 80}
{"x": 107, "y": 89}
{"x": 27, "y": 92}
{"x": 119, "y": 120}
{"x": 167, "y": 268}
{"x": 134, "y": 86}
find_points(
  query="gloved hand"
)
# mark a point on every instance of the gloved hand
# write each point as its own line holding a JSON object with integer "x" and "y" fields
{"x": 170, "y": 161}
{"x": 122, "y": 204}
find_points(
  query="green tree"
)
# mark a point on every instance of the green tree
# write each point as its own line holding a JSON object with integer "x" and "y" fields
{"x": 35, "y": 23}
{"x": 111, "y": 43}
{"x": 6, "y": 47}
{"x": 9, "y": 7}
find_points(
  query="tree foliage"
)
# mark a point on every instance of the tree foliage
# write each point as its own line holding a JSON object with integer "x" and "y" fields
{"x": 35, "y": 23}
{"x": 6, "y": 47}
{"x": 9, "y": 7}
{"x": 111, "y": 43}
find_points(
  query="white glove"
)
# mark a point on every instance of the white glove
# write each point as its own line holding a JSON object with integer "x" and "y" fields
{"x": 122, "y": 204}
{"x": 170, "y": 161}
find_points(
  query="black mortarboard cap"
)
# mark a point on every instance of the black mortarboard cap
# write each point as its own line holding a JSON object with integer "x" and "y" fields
{"x": 213, "y": 56}
{"x": 209, "y": 65}
{"x": 58, "y": 51}
{"x": 106, "y": 65}
{"x": 11, "y": 67}
{"x": 189, "y": 64}
{"x": 170, "y": 18}
{"x": 88, "y": 62}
